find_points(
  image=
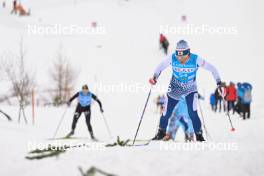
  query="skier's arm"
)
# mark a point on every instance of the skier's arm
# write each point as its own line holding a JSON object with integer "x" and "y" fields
{"x": 162, "y": 66}
{"x": 98, "y": 101}
{"x": 202, "y": 63}
{"x": 72, "y": 98}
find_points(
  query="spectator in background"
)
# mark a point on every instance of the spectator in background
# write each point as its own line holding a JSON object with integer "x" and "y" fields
{"x": 164, "y": 43}
{"x": 238, "y": 106}
{"x": 213, "y": 102}
{"x": 231, "y": 96}
{"x": 218, "y": 101}
{"x": 14, "y": 10}
{"x": 246, "y": 100}
{"x": 4, "y": 4}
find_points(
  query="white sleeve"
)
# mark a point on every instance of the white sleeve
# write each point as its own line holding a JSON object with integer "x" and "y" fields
{"x": 162, "y": 66}
{"x": 202, "y": 63}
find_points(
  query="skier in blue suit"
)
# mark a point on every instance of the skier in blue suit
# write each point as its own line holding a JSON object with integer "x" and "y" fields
{"x": 184, "y": 66}
{"x": 84, "y": 106}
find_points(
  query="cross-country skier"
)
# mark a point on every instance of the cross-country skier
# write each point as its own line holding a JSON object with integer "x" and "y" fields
{"x": 84, "y": 106}
{"x": 183, "y": 82}
{"x": 180, "y": 117}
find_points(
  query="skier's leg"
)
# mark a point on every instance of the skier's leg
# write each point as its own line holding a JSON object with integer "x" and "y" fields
{"x": 177, "y": 126}
{"x": 76, "y": 117}
{"x": 184, "y": 124}
{"x": 165, "y": 118}
{"x": 88, "y": 122}
{"x": 191, "y": 101}
{"x": 171, "y": 103}
{"x": 188, "y": 120}
{"x": 171, "y": 125}
{"x": 189, "y": 133}
{"x": 170, "y": 128}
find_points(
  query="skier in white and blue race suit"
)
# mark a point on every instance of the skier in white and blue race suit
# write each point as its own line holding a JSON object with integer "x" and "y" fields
{"x": 184, "y": 66}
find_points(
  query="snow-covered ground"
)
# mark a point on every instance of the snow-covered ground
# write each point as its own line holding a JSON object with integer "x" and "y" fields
{"x": 125, "y": 51}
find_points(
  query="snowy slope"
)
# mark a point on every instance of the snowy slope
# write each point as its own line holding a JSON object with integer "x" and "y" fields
{"x": 127, "y": 53}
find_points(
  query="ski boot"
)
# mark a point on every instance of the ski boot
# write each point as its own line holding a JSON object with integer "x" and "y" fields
{"x": 189, "y": 138}
{"x": 167, "y": 137}
{"x": 70, "y": 134}
{"x": 92, "y": 136}
{"x": 160, "y": 135}
{"x": 199, "y": 137}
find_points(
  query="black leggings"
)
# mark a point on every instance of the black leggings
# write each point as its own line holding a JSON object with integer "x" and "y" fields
{"x": 78, "y": 112}
{"x": 231, "y": 106}
{"x": 246, "y": 111}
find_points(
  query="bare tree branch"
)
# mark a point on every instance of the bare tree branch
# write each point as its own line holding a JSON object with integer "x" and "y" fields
{"x": 22, "y": 82}
{"x": 63, "y": 77}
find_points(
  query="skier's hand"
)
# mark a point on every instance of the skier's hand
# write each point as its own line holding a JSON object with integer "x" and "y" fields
{"x": 102, "y": 110}
{"x": 153, "y": 81}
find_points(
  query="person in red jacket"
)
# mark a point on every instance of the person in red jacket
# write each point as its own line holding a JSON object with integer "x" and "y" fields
{"x": 164, "y": 43}
{"x": 231, "y": 96}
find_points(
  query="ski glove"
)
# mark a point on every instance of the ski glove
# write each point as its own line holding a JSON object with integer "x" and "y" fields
{"x": 152, "y": 81}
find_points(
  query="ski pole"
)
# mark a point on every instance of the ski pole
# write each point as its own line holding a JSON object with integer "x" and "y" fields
{"x": 7, "y": 116}
{"x": 142, "y": 115}
{"x": 61, "y": 119}
{"x": 107, "y": 127}
{"x": 232, "y": 127}
{"x": 230, "y": 121}
{"x": 204, "y": 126}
